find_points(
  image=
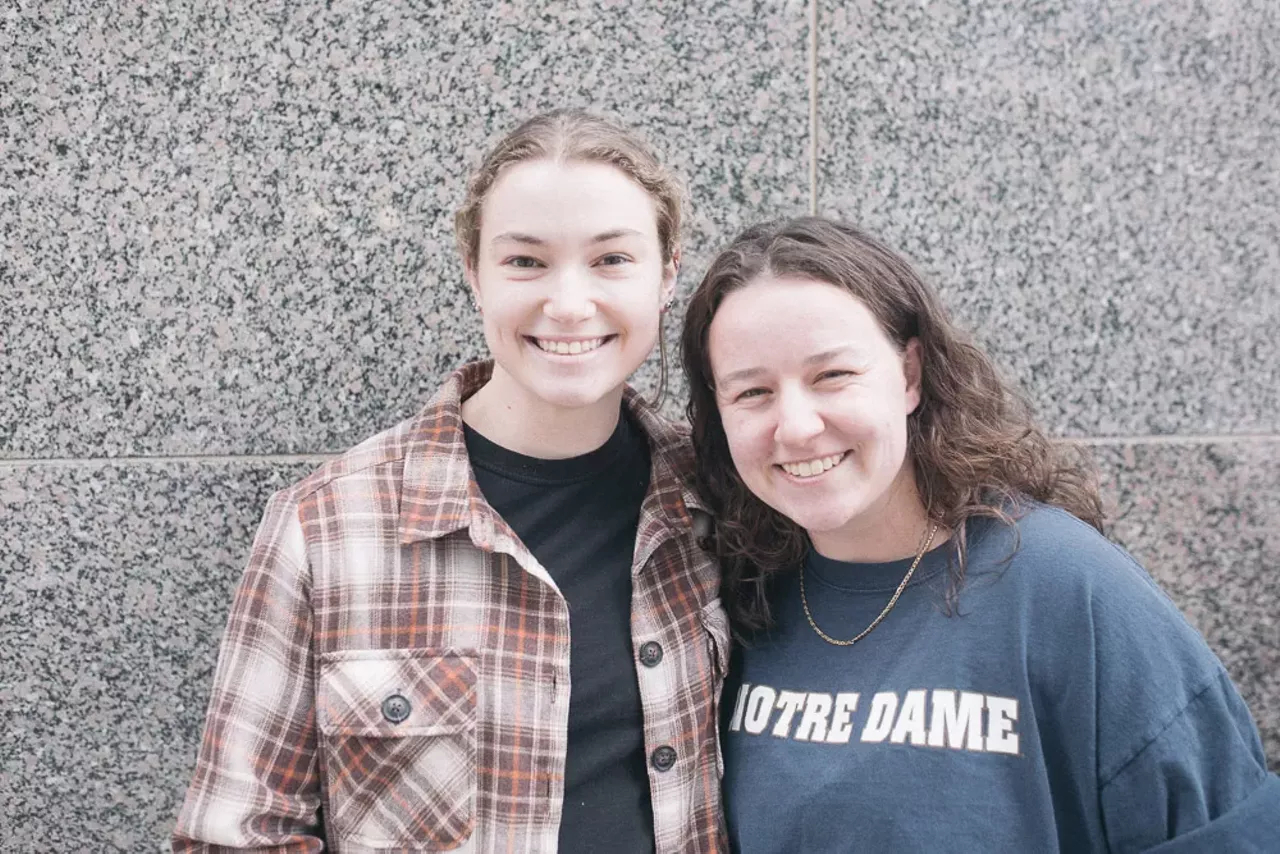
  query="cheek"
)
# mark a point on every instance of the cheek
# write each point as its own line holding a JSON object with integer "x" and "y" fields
{"x": 496, "y": 325}
{"x": 748, "y": 440}
{"x": 874, "y": 420}
{"x": 507, "y": 314}
{"x": 889, "y": 436}
{"x": 643, "y": 326}
{"x": 640, "y": 314}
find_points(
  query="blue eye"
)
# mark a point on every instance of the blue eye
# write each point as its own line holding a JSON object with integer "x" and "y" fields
{"x": 524, "y": 262}
{"x": 613, "y": 259}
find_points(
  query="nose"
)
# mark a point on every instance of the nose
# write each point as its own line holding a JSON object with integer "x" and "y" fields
{"x": 571, "y": 299}
{"x": 799, "y": 420}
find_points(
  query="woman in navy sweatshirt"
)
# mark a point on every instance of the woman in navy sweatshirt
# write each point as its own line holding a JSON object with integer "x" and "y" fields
{"x": 941, "y": 650}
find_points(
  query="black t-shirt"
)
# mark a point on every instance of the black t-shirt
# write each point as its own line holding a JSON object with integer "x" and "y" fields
{"x": 579, "y": 517}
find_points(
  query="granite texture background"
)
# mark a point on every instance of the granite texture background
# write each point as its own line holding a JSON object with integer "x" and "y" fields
{"x": 226, "y": 251}
{"x": 230, "y": 228}
{"x": 115, "y": 590}
{"x": 1093, "y": 186}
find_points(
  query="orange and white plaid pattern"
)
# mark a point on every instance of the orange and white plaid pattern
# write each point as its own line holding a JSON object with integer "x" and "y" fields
{"x": 395, "y": 671}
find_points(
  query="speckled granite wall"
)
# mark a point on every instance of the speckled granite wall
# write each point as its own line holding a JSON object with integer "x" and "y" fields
{"x": 231, "y": 225}
{"x": 1094, "y": 186}
{"x": 1205, "y": 519}
{"x": 225, "y": 251}
{"x": 115, "y": 589}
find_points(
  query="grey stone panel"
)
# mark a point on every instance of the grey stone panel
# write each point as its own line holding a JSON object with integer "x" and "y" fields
{"x": 1205, "y": 521}
{"x": 115, "y": 583}
{"x": 229, "y": 229}
{"x": 117, "y": 580}
{"x": 1094, "y": 187}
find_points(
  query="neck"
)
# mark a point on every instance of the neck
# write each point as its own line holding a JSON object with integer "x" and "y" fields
{"x": 895, "y": 530}
{"x": 507, "y": 414}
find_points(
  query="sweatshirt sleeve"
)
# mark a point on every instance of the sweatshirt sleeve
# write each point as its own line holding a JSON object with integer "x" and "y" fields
{"x": 1199, "y": 784}
{"x": 255, "y": 786}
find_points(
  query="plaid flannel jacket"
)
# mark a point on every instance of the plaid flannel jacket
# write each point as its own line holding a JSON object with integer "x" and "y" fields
{"x": 395, "y": 670}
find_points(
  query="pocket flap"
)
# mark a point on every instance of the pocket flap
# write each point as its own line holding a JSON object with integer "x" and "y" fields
{"x": 395, "y": 693}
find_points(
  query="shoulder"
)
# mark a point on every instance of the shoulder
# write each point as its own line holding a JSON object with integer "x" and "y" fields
{"x": 1085, "y": 595}
{"x": 433, "y": 434}
{"x": 1052, "y": 553}
{"x": 660, "y": 430}
{"x": 1094, "y": 609}
{"x": 365, "y": 460}
{"x": 1050, "y": 533}
{"x": 670, "y": 440}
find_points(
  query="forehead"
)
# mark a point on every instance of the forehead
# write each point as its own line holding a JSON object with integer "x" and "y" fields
{"x": 546, "y": 196}
{"x": 777, "y": 322}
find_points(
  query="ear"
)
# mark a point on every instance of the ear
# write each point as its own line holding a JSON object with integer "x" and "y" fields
{"x": 473, "y": 282}
{"x": 670, "y": 274}
{"x": 913, "y": 369}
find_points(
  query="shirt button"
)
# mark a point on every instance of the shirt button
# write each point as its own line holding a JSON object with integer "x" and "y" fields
{"x": 663, "y": 758}
{"x": 650, "y": 654}
{"x": 396, "y": 708}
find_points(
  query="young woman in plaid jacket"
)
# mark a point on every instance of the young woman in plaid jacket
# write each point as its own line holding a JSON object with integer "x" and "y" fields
{"x": 399, "y": 671}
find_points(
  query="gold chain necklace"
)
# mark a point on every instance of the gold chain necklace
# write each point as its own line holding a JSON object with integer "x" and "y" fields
{"x": 906, "y": 579}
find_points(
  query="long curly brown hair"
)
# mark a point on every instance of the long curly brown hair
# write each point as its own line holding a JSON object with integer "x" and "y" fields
{"x": 972, "y": 443}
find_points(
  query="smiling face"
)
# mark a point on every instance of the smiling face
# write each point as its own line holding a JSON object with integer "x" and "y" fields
{"x": 570, "y": 278}
{"x": 816, "y": 421}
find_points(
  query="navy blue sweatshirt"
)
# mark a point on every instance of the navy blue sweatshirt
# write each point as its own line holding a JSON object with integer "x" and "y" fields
{"x": 1066, "y": 706}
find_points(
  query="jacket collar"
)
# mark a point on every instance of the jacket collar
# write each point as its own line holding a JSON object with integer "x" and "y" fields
{"x": 439, "y": 494}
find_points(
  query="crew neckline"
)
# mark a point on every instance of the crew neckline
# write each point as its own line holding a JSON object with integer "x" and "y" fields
{"x": 858, "y": 577}
{"x": 487, "y": 454}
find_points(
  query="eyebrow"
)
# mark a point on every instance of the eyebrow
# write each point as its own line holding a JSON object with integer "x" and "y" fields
{"x": 530, "y": 240}
{"x": 744, "y": 374}
{"x": 815, "y": 359}
{"x": 828, "y": 355}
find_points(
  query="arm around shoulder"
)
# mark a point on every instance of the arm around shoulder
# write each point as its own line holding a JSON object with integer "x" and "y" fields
{"x": 256, "y": 785}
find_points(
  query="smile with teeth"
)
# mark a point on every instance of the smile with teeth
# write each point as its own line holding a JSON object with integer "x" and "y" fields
{"x": 811, "y": 468}
{"x": 569, "y": 348}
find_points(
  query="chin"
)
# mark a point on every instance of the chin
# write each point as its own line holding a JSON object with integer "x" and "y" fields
{"x": 821, "y": 522}
{"x": 818, "y": 516}
{"x": 575, "y": 395}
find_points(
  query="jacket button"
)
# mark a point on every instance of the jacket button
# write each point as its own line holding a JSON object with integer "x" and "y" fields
{"x": 650, "y": 654}
{"x": 396, "y": 708}
{"x": 663, "y": 758}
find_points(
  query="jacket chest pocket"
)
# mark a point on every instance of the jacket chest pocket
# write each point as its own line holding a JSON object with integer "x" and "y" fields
{"x": 398, "y": 731}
